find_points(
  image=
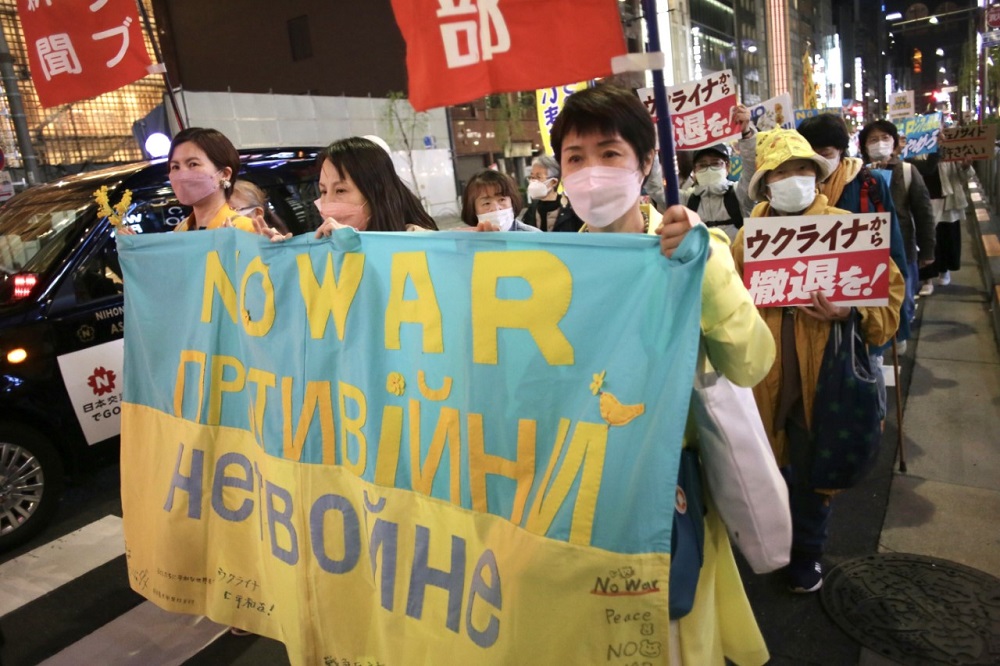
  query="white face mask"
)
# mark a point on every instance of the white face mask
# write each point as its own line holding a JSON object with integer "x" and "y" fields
{"x": 834, "y": 162}
{"x": 601, "y": 194}
{"x": 711, "y": 176}
{"x": 879, "y": 151}
{"x": 503, "y": 218}
{"x": 538, "y": 189}
{"x": 792, "y": 194}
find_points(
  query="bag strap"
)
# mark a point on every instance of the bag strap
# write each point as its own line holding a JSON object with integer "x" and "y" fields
{"x": 907, "y": 175}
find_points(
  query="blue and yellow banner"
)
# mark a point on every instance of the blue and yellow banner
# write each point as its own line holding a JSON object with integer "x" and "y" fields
{"x": 921, "y": 134}
{"x": 395, "y": 447}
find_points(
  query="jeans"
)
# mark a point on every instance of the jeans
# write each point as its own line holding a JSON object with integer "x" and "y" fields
{"x": 810, "y": 510}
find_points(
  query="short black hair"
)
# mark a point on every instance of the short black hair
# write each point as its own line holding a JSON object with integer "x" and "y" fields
{"x": 882, "y": 126}
{"x": 606, "y": 109}
{"x": 216, "y": 146}
{"x": 825, "y": 130}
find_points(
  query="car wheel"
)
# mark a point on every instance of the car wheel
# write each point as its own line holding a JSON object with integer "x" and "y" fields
{"x": 31, "y": 480}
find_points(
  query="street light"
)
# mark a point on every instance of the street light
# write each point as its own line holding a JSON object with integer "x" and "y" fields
{"x": 939, "y": 52}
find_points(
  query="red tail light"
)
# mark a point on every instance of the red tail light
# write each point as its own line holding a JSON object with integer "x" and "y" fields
{"x": 23, "y": 284}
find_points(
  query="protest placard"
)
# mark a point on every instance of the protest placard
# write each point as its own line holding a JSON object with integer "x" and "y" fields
{"x": 921, "y": 134}
{"x": 802, "y": 114}
{"x": 844, "y": 256}
{"x": 773, "y": 113}
{"x": 700, "y": 110}
{"x": 971, "y": 142}
{"x": 901, "y": 104}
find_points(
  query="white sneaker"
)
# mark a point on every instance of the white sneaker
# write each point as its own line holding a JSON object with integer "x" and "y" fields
{"x": 945, "y": 278}
{"x": 927, "y": 288}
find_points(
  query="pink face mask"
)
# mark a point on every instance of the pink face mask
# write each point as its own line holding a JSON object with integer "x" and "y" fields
{"x": 193, "y": 186}
{"x": 350, "y": 214}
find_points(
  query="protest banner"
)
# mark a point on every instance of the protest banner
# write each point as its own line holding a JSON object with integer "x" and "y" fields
{"x": 802, "y": 114}
{"x": 901, "y": 104}
{"x": 458, "y": 50}
{"x": 921, "y": 134}
{"x": 971, "y": 142}
{"x": 699, "y": 111}
{"x": 78, "y": 50}
{"x": 845, "y": 256}
{"x": 773, "y": 113}
{"x": 410, "y": 448}
{"x": 549, "y": 102}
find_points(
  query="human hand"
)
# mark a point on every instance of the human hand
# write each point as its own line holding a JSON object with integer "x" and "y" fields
{"x": 823, "y": 310}
{"x": 328, "y": 227}
{"x": 487, "y": 226}
{"x": 123, "y": 230}
{"x": 739, "y": 116}
{"x": 677, "y": 221}
{"x": 924, "y": 263}
{"x": 260, "y": 226}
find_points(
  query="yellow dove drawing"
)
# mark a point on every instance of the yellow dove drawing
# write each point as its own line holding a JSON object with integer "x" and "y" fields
{"x": 617, "y": 414}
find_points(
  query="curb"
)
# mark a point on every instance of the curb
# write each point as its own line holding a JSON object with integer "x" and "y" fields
{"x": 987, "y": 250}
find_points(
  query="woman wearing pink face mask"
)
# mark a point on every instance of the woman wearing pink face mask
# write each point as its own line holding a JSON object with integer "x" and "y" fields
{"x": 359, "y": 188}
{"x": 605, "y": 143}
{"x": 203, "y": 166}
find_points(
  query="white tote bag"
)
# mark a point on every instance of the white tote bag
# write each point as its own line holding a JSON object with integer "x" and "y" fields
{"x": 742, "y": 475}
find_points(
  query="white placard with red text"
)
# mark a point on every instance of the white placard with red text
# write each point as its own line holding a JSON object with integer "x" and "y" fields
{"x": 93, "y": 379}
{"x": 845, "y": 256}
{"x": 699, "y": 111}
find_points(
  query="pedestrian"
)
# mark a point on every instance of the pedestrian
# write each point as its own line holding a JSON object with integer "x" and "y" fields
{"x": 788, "y": 170}
{"x": 605, "y": 143}
{"x": 359, "y": 188}
{"x": 489, "y": 201}
{"x": 719, "y": 201}
{"x": 251, "y": 201}
{"x": 203, "y": 167}
{"x": 547, "y": 210}
{"x": 946, "y": 184}
{"x": 880, "y": 146}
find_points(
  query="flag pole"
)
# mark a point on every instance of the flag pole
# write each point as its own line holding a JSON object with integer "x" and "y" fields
{"x": 159, "y": 59}
{"x": 664, "y": 128}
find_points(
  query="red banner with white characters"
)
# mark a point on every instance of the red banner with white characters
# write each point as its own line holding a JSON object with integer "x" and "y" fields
{"x": 699, "y": 111}
{"x": 458, "y": 50}
{"x": 82, "y": 49}
{"x": 844, "y": 256}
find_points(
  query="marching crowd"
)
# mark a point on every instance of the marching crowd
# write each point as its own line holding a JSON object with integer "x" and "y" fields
{"x": 599, "y": 181}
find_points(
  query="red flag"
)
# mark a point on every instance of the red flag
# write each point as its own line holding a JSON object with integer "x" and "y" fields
{"x": 458, "y": 50}
{"x": 82, "y": 49}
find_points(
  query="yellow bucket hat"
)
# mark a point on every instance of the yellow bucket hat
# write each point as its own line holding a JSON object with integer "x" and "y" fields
{"x": 776, "y": 147}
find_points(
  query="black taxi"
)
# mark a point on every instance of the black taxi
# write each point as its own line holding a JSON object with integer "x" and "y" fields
{"x": 61, "y": 317}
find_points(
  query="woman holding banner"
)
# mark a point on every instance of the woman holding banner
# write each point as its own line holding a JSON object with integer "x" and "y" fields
{"x": 788, "y": 171}
{"x": 605, "y": 142}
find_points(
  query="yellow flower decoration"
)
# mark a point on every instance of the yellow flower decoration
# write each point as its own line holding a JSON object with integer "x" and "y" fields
{"x": 395, "y": 384}
{"x": 104, "y": 208}
{"x": 595, "y": 386}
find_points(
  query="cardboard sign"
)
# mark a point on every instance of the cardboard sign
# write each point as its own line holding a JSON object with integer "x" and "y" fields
{"x": 844, "y": 256}
{"x": 82, "y": 49}
{"x": 773, "y": 113}
{"x": 971, "y": 142}
{"x": 699, "y": 111}
{"x": 901, "y": 104}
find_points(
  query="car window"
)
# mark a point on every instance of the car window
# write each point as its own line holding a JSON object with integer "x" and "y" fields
{"x": 99, "y": 276}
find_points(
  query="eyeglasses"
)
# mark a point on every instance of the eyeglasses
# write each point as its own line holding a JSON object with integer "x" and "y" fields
{"x": 717, "y": 164}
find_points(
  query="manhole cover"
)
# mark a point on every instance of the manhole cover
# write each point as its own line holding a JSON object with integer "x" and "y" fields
{"x": 917, "y": 610}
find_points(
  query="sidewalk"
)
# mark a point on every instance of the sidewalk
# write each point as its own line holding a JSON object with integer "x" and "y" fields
{"x": 947, "y": 504}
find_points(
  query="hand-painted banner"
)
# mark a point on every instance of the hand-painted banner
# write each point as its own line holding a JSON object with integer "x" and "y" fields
{"x": 844, "y": 256}
{"x": 550, "y": 102}
{"x": 773, "y": 113}
{"x": 380, "y": 446}
{"x": 972, "y": 142}
{"x": 458, "y": 50}
{"x": 921, "y": 134}
{"x": 802, "y": 114}
{"x": 78, "y": 49}
{"x": 699, "y": 111}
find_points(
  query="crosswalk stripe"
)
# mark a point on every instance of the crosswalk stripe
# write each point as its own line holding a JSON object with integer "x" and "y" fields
{"x": 47, "y": 567}
{"x": 146, "y": 635}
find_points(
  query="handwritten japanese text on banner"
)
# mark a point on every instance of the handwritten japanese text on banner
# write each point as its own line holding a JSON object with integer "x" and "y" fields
{"x": 921, "y": 134}
{"x": 844, "y": 256}
{"x": 550, "y": 102}
{"x": 394, "y": 446}
{"x": 972, "y": 142}
{"x": 82, "y": 49}
{"x": 699, "y": 111}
